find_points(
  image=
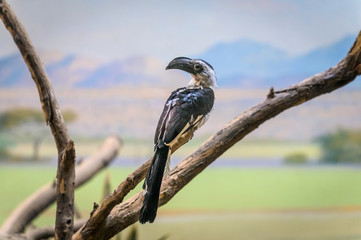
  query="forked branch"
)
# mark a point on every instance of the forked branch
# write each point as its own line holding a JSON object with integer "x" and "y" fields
{"x": 40, "y": 200}
{"x": 127, "y": 213}
{"x": 110, "y": 218}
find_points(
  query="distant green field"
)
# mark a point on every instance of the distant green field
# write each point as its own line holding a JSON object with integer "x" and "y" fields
{"x": 255, "y": 189}
{"x": 215, "y": 189}
{"x": 256, "y": 226}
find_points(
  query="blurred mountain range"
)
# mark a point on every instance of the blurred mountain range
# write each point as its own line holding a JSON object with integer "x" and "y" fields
{"x": 70, "y": 71}
{"x": 127, "y": 96}
{"x": 243, "y": 64}
{"x": 252, "y": 64}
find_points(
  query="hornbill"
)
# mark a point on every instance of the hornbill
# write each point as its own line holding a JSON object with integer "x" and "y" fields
{"x": 187, "y": 108}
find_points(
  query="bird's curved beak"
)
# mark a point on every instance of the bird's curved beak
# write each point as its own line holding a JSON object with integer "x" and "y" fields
{"x": 182, "y": 63}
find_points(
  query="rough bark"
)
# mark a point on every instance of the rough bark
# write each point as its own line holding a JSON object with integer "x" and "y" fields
{"x": 53, "y": 116}
{"x": 97, "y": 217}
{"x": 31, "y": 207}
{"x": 127, "y": 213}
{"x": 65, "y": 193}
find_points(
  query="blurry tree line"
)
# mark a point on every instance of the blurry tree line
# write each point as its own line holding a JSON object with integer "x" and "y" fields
{"x": 25, "y": 124}
{"x": 341, "y": 146}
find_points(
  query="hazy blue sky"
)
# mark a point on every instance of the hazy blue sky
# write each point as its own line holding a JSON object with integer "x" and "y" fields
{"x": 165, "y": 29}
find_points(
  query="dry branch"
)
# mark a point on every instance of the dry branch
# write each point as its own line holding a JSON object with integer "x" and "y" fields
{"x": 123, "y": 215}
{"x": 31, "y": 207}
{"x": 97, "y": 217}
{"x": 47, "y": 232}
{"x": 40, "y": 233}
{"x": 13, "y": 237}
{"x": 53, "y": 116}
{"x": 65, "y": 193}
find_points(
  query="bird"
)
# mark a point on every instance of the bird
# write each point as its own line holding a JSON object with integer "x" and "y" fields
{"x": 187, "y": 108}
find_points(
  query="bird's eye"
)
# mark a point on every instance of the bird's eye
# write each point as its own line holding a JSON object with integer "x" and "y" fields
{"x": 197, "y": 67}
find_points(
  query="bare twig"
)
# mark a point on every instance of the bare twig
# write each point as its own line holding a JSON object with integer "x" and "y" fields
{"x": 13, "y": 237}
{"x": 31, "y": 207}
{"x": 127, "y": 213}
{"x": 53, "y": 116}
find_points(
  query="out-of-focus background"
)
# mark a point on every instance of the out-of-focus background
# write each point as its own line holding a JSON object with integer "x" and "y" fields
{"x": 295, "y": 177}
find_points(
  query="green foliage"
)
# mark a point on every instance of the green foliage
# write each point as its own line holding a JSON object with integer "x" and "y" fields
{"x": 17, "y": 116}
{"x": 27, "y": 124}
{"x": 4, "y": 143}
{"x": 342, "y": 146}
{"x": 296, "y": 158}
{"x": 235, "y": 191}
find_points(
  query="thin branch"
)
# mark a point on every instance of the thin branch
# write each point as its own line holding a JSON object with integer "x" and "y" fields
{"x": 40, "y": 233}
{"x": 97, "y": 217}
{"x": 13, "y": 237}
{"x": 31, "y": 207}
{"x": 127, "y": 213}
{"x": 53, "y": 116}
{"x": 47, "y": 232}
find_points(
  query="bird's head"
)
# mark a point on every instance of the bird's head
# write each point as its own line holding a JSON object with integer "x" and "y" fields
{"x": 202, "y": 72}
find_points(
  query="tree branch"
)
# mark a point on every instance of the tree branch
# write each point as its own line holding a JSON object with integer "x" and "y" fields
{"x": 97, "y": 217}
{"x": 31, "y": 207}
{"x": 47, "y": 232}
{"x": 65, "y": 193}
{"x": 39, "y": 233}
{"x": 123, "y": 215}
{"x": 53, "y": 116}
{"x": 13, "y": 237}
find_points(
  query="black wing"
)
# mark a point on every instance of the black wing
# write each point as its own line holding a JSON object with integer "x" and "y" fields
{"x": 183, "y": 107}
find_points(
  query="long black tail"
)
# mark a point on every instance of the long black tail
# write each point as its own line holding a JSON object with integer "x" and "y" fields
{"x": 152, "y": 184}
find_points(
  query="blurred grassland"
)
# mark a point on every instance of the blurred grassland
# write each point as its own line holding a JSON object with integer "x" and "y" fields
{"x": 245, "y": 226}
{"x": 321, "y": 203}
{"x": 214, "y": 190}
